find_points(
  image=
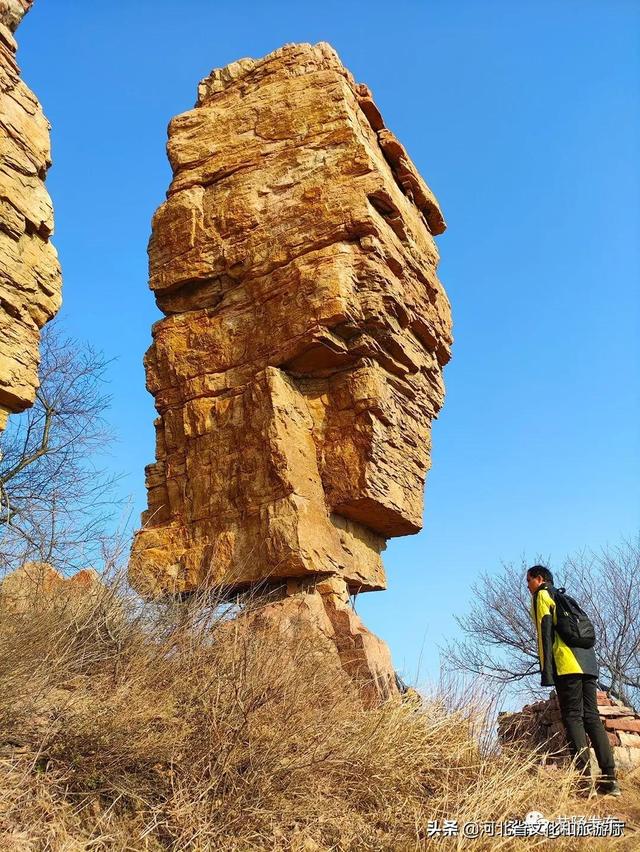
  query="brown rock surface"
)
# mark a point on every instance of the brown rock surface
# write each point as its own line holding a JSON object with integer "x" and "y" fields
{"x": 318, "y": 612}
{"x": 38, "y": 583}
{"x": 624, "y": 723}
{"x": 30, "y": 281}
{"x": 13, "y": 11}
{"x": 298, "y": 367}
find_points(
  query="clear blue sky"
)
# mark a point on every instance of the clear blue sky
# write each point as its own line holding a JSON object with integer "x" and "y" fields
{"x": 524, "y": 118}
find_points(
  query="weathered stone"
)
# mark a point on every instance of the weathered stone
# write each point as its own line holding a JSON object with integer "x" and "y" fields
{"x": 625, "y": 723}
{"x": 626, "y": 759}
{"x": 631, "y": 740}
{"x": 318, "y": 611}
{"x": 299, "y": 365}
{"x": 540, "y": 724}
{"x": 12, "y": 12}
{"x": 38, "y": 583}
{"x": 30, "y": 280}
{"x": 612, "y": 710}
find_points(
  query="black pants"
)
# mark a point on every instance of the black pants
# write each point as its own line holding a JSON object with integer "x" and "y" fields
{"x": 579, "y": 710}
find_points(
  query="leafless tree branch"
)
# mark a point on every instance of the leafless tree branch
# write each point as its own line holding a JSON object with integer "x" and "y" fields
{"x": 56, "y": 503}
{"x": 499, "y": 641}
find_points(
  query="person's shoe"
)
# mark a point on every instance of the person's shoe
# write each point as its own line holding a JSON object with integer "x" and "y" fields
{"x": 586, "y": 788}
{"x": 608, "y": 788}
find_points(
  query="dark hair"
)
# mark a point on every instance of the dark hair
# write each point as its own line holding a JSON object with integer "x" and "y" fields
{"x": 540, "y": 571}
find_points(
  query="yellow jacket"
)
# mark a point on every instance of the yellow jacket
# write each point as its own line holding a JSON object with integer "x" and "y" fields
{"x": 556, "y": 657}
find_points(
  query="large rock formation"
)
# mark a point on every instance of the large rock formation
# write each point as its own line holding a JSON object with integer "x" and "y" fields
{"x": 30, "y": 281}
{"x": 298, "y": 367}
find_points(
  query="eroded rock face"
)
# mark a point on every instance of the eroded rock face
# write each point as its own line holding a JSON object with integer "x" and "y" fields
{"x": 299, "y": 363}
{"x": 37, "y": 584}
{"x": 320, "y": 613}
{"x": 13, "y": 11}
{"x": 30, "y": 280}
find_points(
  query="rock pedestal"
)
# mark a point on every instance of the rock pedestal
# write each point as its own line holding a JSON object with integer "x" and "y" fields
{"x": 298, "y": 366}
{"x": 319, "y": 612}
{"x": 30, "y": 279}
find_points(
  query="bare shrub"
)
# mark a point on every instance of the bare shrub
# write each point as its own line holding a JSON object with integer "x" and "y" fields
{"x": 498, "y": 637}
{"x": 56, "y": 502}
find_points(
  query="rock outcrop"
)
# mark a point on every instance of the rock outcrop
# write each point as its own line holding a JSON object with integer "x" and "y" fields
{"x": 318, "y": 616}
{"x": 37, "y": 584}
{"x": 298, "y": 366}
{"x": 539, "y": 725}
{"x": 30, "y": 280}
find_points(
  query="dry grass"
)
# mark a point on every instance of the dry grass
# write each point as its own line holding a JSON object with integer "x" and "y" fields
{"x": 136, "y": 727}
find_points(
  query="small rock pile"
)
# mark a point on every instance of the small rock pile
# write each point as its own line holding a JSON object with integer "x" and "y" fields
{"x": 540, "y": 725}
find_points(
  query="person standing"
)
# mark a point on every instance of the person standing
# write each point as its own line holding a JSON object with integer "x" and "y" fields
{"x": 574, "y": 673}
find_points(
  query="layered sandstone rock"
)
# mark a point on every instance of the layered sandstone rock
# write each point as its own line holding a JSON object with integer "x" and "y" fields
{"x": 298, "y": 367}
{"x": 13, "y": 11}
{"x": 30, "y": 281}
{"x": 317, "y": 616}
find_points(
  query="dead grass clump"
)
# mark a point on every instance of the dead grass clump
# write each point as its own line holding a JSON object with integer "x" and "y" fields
{"x": 129, "y": 726}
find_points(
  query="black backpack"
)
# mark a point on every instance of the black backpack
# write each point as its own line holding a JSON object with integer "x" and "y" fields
{"x": 573, "y": 625}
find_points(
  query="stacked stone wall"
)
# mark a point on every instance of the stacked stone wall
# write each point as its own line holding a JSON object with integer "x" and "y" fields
{"x": 539, "y": 725}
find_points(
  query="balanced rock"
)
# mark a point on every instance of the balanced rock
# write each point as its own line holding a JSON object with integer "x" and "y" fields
{"x": 298, "y": 367}
{"x": 30, "y": 280}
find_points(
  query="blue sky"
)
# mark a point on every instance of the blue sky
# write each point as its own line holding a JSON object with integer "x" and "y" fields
{"x": 524, "y": 119}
